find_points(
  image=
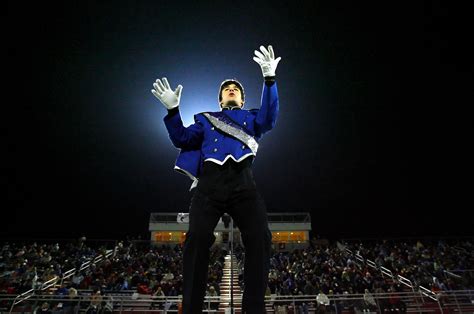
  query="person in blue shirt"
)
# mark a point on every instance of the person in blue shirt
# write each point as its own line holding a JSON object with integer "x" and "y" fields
{"x": 217, "y": 153}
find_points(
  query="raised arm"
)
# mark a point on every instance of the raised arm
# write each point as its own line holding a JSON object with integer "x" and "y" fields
{"x": 182, "y": 137}
{"x": 268, "y": 112}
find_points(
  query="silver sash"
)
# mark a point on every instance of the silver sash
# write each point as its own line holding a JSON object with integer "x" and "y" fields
{"x": 238, "y": 134}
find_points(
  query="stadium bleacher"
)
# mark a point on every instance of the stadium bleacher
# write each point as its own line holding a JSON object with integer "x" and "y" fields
{"x": 342, "y": 276}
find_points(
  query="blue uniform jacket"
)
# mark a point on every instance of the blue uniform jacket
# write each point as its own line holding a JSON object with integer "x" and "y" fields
{"x": 201, "y": 141}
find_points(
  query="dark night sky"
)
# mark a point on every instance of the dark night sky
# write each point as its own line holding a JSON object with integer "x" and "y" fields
{"x": 369, "y": 139}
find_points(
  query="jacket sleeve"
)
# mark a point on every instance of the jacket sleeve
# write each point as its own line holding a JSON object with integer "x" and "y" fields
{"x": 268, "y": 112}
{"x": 183, "y": 137}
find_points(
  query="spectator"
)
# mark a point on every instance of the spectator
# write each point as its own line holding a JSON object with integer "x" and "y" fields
{"x": 159, "y": 298}
{"x": 96, "y": 302}
{"x": 45, "y": 308}
{"x": 211, "y": 292}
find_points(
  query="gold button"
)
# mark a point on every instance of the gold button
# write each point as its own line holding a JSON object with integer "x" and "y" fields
{"x": 215, "y": 140}
{"x": 215, "y": 150}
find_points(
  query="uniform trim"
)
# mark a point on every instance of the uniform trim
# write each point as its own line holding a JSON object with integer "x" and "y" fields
{"x": 217, "y": 161}
{"x": 195, "y": 180}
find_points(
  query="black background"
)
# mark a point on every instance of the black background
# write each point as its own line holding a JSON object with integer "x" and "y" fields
{"x": 373, "y": 137}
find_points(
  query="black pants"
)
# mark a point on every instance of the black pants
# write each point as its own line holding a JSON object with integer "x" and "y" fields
{"x": 231, "y": 189}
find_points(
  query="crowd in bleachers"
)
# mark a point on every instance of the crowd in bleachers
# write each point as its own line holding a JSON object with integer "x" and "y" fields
{"x": 152, "y": 270}
{"x": 440, "y": 265}
{"x": 320, "y": 269}
{"x": 27, "y": 266}
{"x": 155, "y": 270}
{"x": 309, "y": 271}
{"x": 326, "y": 270}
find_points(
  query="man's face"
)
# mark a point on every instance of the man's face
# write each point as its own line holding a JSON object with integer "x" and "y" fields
{"x": 231, "y": 95}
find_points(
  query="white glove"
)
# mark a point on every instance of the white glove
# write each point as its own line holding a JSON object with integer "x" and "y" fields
{"x": 266, "y": 60}
{"x": 163, "y": 92}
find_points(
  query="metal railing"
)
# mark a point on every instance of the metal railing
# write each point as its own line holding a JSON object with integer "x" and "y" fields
{"x": 461, "y": 301}
{"x": 404, "y": 281}
{"x": 85, "y": 265}
{"x": 53, "y": 281}
{"x": 30, "y": 293}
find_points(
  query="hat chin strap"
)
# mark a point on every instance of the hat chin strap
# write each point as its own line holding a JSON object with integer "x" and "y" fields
{"x": 231, "y": 107}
